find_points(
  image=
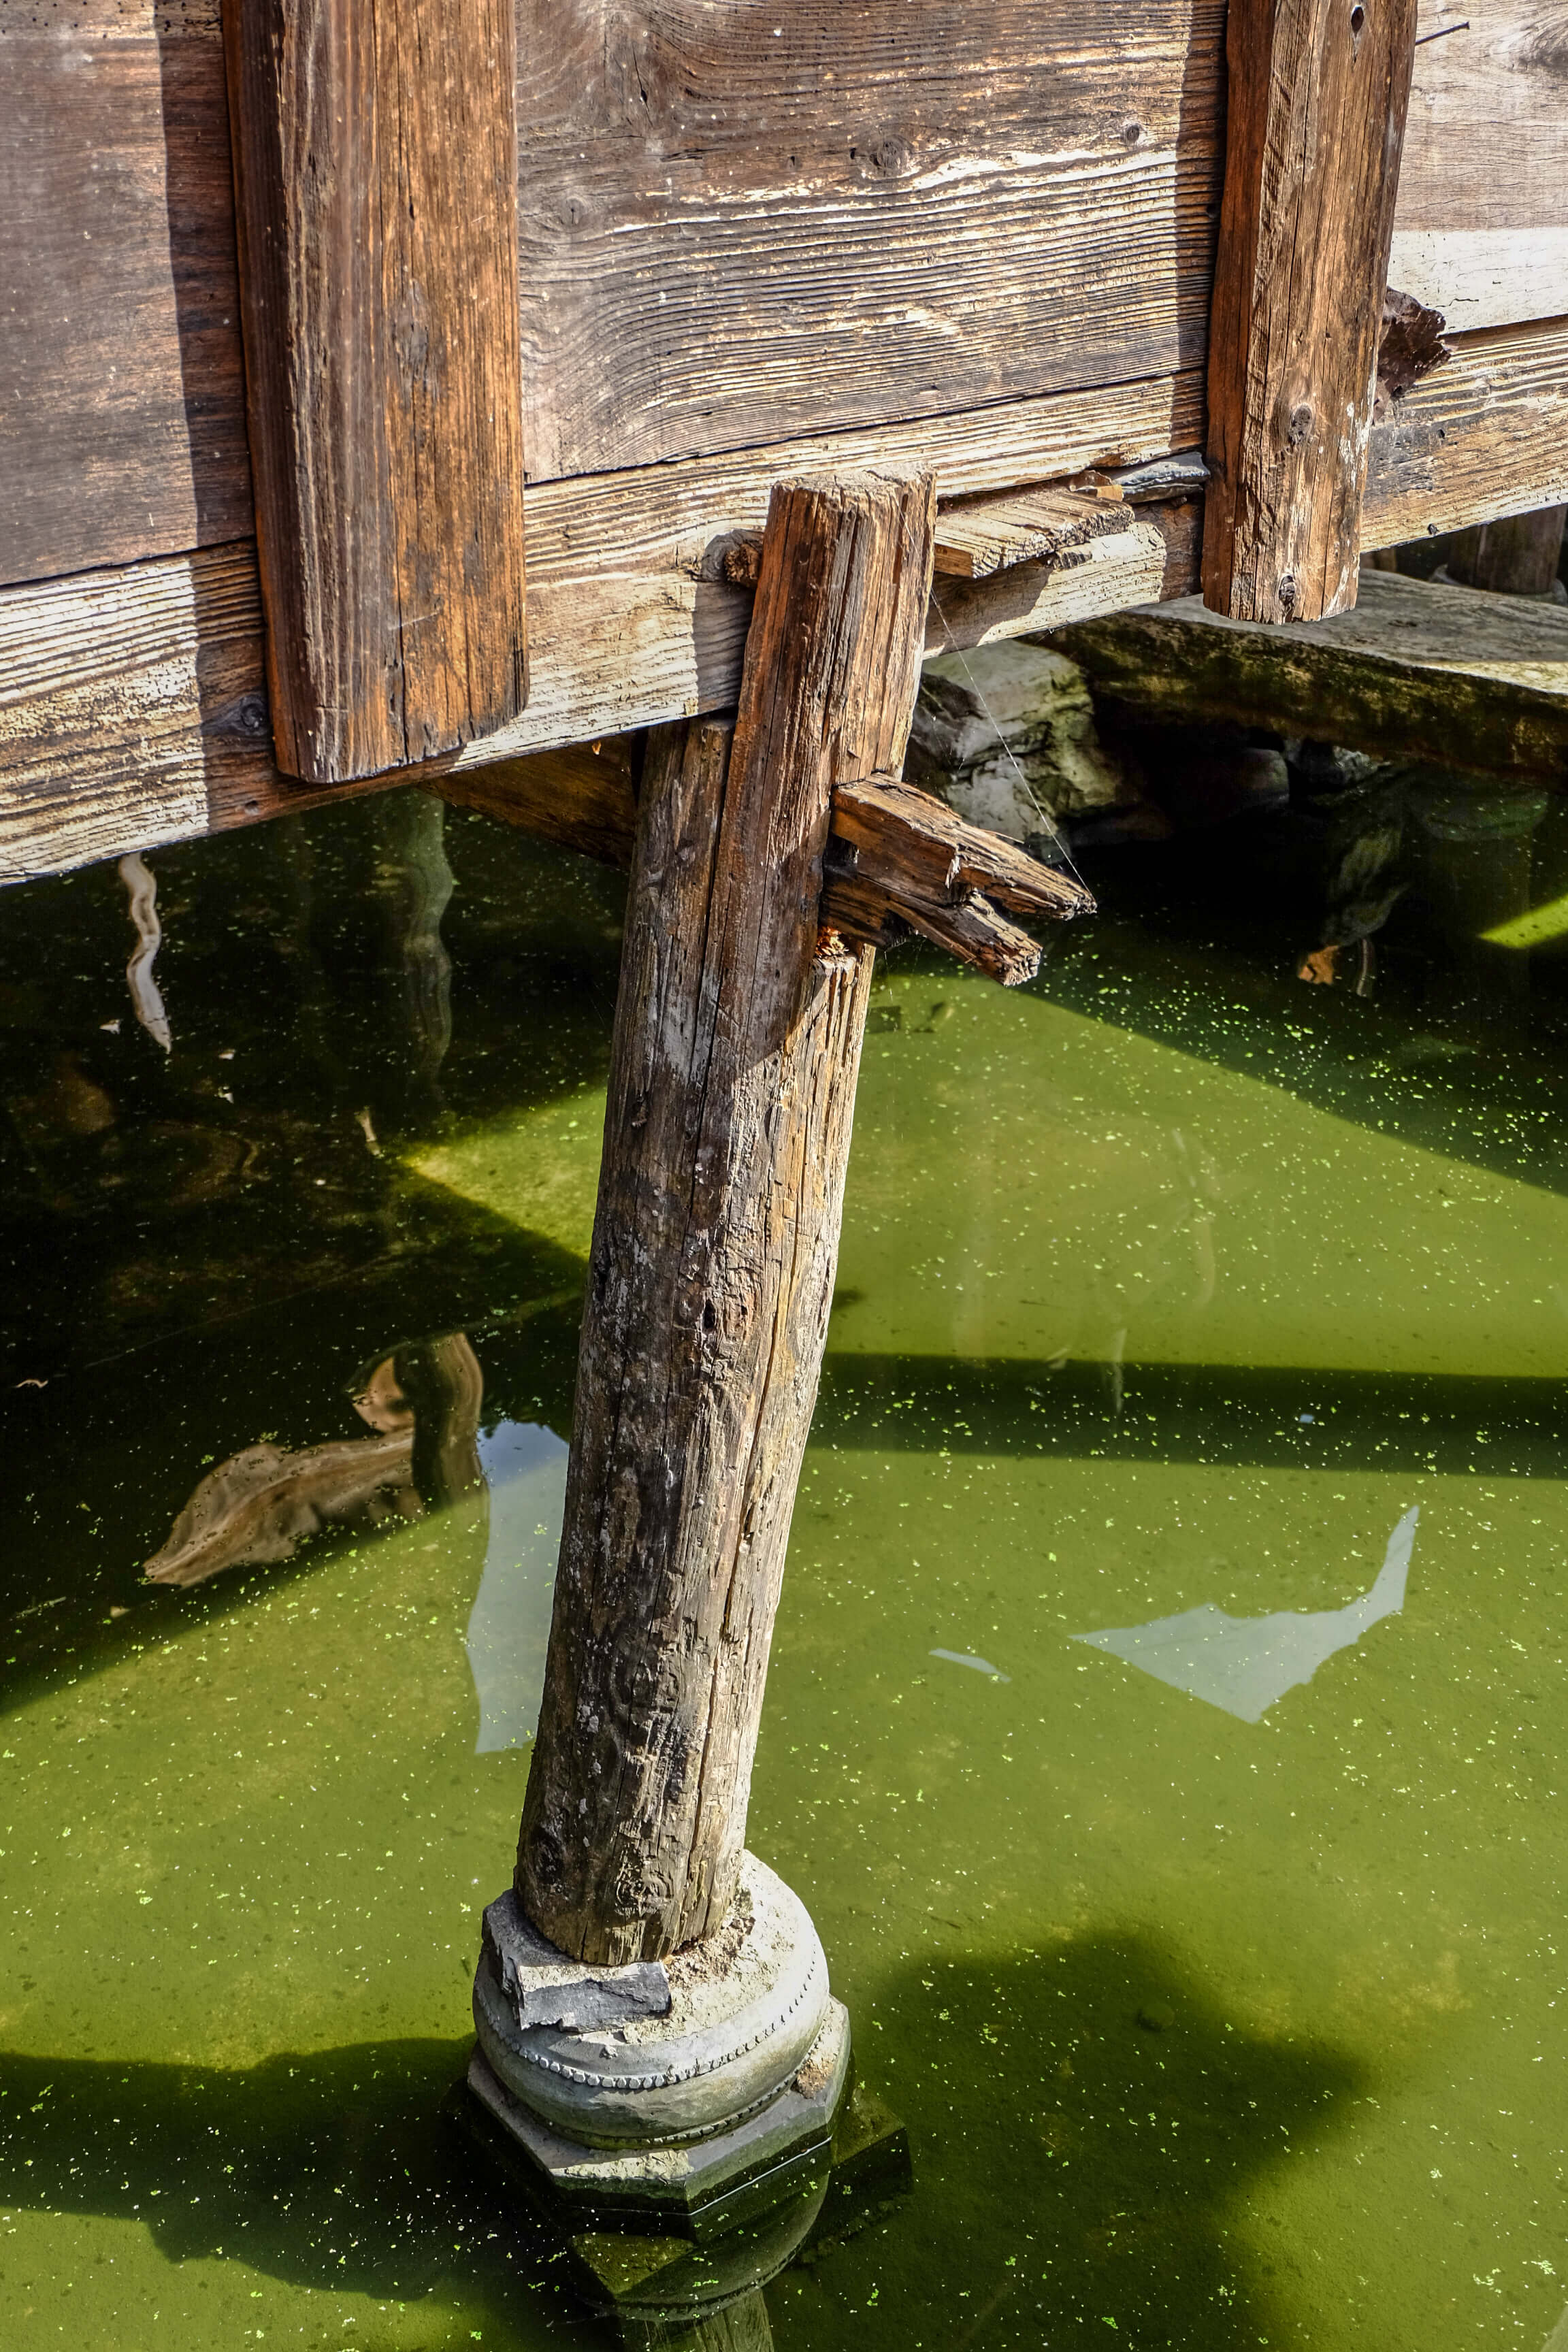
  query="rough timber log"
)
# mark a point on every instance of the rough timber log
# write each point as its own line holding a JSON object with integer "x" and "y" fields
{"x": 737, "y": 1044}
{"x": 1318, "y": 92}
{"x": 375, "y": 169}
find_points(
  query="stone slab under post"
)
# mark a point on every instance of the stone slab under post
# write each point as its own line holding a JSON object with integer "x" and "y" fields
{"x": 658, "y": 2041}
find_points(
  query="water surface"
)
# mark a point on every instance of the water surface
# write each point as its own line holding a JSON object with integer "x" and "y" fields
{"x": 1208, "y": 1937}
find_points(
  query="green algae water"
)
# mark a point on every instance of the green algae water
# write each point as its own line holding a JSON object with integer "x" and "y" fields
{"x": 1166, "y": 1709}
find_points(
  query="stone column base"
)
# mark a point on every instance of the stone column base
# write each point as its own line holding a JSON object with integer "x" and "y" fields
{"x": 696, "y": 2188}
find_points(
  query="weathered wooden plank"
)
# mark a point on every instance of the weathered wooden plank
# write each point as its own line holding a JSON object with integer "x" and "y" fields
{"x": 1484, "y": 276}
{"x": 121, "y": 415}
{"x": 978, "y": 536}
{"x": 108, "y": 681}
{"x": 375, "y": 166}
{"x": 121, "y": 391}
{"x": 727, "y": 1133}
{"x": 1486, "y": 143}
{"x": 1316, "y": 95}
{"x": 1484, "y": 435}
{"x": 1416, "y": 670}
{"x": 1154, "y": 554}
{"x": 843, "y": 215}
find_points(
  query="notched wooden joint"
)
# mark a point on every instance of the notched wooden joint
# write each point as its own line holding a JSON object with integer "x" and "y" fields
{"x": 900, "y": 857}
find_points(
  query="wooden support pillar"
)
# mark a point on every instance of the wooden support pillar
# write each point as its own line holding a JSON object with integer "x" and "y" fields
{"x": 1518, "y": 556}
{"x": 376, "y": 183}
{"x": 737, "y": 1045}
{"x": 1318, "y": 92}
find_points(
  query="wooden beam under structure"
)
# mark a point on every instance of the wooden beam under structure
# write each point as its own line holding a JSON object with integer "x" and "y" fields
{"x": 1318, "y": 94}
{"x": 375, "y": 173}
{"x": 132, "y": 701}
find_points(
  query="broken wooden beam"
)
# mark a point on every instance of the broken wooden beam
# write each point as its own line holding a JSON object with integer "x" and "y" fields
{"x": 375, "y": 178}
{"x": 1416, "y": 671}
{"x": 1318, "y": 93}
{"x": 899, "y": 855}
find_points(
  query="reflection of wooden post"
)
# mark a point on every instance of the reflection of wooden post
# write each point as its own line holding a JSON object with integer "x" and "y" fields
{"x": 1318, "y": 91}
{"x": 442, "y": 1381}
{"x": 737, "y": 1044}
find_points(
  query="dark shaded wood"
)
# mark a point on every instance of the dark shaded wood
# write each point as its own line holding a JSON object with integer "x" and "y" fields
{"x": 121, "y": 389}
{"x": 1410, "y": 345}
{"x": 374, "y": 170}
{"x": 731, "y": 1092}
{"x": 1418, "y": 671}
{"x": 1317, "y": 96}
{"x": 1517, "y": 557}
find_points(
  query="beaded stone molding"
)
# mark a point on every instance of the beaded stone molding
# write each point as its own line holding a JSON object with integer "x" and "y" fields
{"x": 655, "y": 2051}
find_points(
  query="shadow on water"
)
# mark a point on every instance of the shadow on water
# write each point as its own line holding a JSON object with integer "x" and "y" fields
{"x": 338, "y": 2171}
{"x": 1088, "y": 2127}
{"x": 1303, "y": 1417}
{"x": 1095, "y": 2143}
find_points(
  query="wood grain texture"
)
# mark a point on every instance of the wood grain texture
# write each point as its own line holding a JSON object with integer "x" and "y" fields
{"x": 812, "y": 215}
{"x": 1317, "y": 96}
{"x": 978, "y": 536}
{"x": 121, "y": 391}
{"x": 132, "y": 704}
{"x": 727, "y": 1131}
{"x": 121, "y": 402}
{"x": 1416, "y": 671}
{"x": 1485, "y": 141}
{"x": 374, "y": 170}
{"x": 899, "y": 855}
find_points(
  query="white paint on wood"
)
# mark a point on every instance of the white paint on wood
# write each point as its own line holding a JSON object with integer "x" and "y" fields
{"x": 1484, "y": 276}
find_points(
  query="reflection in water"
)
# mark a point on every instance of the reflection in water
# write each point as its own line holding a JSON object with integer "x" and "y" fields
{"x": 525, "y": 1468}
{"x": 259, "y": 1505}
{"x": 256, "y": 1509}
{"x": 981, "y": 1665}
{"x": 1244, "y": 1663}
{"x": 145, "y": 995}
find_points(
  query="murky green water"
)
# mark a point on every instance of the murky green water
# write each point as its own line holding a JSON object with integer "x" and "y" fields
{"x": 1214, "y": 1963}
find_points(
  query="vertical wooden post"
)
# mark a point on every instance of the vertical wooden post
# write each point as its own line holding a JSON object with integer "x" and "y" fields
{"x": 1318, "y": 93}
{"x": 375, "y": 183}
{"x": 1517, "y": 556}
{"x": 737, "y": 1044}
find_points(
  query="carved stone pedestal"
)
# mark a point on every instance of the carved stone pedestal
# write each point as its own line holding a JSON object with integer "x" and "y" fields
{"x": 685, "y": 2094}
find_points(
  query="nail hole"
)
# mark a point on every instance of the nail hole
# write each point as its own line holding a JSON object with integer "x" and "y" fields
{"x": 1358, "y": 20}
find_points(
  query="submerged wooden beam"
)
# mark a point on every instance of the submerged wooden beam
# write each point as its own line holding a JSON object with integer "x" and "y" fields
{"x": 1318, "y": 93}
{"x": 731, "y": 1090}
{"x": 375, "y": 173}
{"x": 1416, "y": 671}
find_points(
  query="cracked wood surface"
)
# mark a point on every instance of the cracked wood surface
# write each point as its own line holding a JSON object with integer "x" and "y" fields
{"x": 1317, "y": 97}
{"x": 375, "y": 166}
{"x": 737, "y": 1043}
{"x": 923, "y": 224}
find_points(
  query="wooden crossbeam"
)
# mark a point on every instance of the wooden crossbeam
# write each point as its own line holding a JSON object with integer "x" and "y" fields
{"x": 375, "y": 170}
